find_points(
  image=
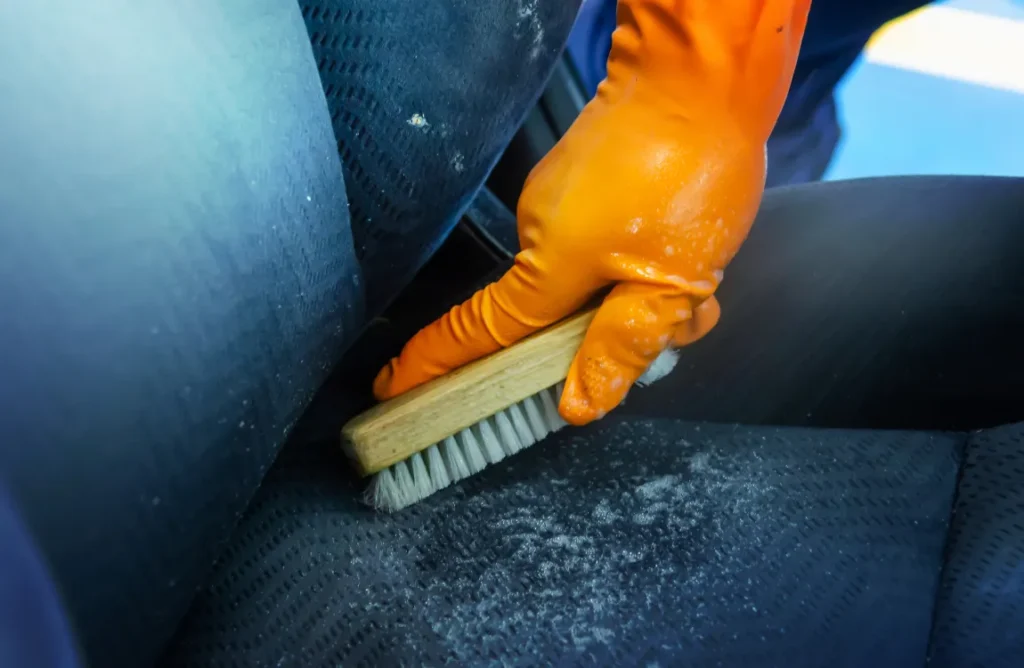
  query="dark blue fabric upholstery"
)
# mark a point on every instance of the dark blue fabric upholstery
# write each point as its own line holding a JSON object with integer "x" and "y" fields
{"x": 652, "y": 538}
{"x": 178, "y": 279}
{"x": 424, "y": 96}
{"x": 634, "y": 542}
{"x": 979, "y": 615}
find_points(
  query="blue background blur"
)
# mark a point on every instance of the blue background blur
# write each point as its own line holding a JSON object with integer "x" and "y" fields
{"x": 897, "y": 121}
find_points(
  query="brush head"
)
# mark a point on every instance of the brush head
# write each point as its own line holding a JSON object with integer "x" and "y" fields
{"x": 487, "y": 442}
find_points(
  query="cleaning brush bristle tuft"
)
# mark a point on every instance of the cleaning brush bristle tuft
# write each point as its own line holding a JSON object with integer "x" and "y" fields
{"x": 467, "y": 452}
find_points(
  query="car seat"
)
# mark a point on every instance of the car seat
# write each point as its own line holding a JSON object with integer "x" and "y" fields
{"x": 823, "y": 479}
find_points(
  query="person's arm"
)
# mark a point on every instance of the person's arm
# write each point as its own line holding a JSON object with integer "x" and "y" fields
{"x": 651, "y": 192}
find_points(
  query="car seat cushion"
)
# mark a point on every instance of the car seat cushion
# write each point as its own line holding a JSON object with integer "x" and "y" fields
{"x": 628, "y": 542}
{"x": 979, "y": 615}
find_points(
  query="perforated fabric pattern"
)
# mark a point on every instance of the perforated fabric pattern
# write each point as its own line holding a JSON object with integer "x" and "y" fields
{"x": 424, "y": 96}
{"x": 979, "y": 616}
{"x": 633, "y": 542}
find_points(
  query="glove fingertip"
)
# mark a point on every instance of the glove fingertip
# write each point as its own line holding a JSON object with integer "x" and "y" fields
{"x": 593, "y": 388}
{"x": 573, "y": 407}
{"x": 383, "y": 384}
{"x": 697, "y": 323}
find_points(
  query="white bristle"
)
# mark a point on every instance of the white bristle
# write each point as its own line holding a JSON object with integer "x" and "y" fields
{"x": 549, "y": 399}
{"x": 384, "y": 492}
{"x": 420, "y": 478}
{"x": 535, "y": 417}
{"x": 457, "y": 467}
{"x": 522, "y": 425}
{"x": 474, "y": 455}
{"x": 488, "y": 442}
{"x": 485, "y": 431}
{"x": 404, "y": 483}
{"x": 436, "y": 469}
{"x": 491, "y": 450}
{"x": 660, "y": 367}
{"x": 507, "y": 433}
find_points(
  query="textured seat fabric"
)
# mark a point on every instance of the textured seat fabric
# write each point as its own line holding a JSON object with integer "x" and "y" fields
{"x": 979, "y": 616}
{"x": 177, "y": 281}
{"x": 877, "y": 303}
{"x": 651, "y": 542}
{"x": 420, "y": 120}
{"x": 175, "y": 229}
{"x": 843, "y": 285}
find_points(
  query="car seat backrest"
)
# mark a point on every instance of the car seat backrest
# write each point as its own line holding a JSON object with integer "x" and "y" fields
{"x": 424, "y": 96}
{"x": 178, "y": 278}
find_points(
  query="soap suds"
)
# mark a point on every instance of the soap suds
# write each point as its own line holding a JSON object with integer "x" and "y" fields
{"x": 754, "y": 533}
{"x": 603, "y": 513}
{"x": 529, "y": 20}
{"x": 596, "y": 549}
{"x": 458, "y": 162}
{"x": 418, "y": 121}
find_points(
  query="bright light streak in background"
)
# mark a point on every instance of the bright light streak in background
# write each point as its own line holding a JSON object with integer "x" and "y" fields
{"x": 956, "y": 44}
{"x": 940, "y": 90}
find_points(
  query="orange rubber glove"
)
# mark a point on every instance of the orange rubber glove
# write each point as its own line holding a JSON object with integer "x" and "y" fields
{"x": 652, "y": 190}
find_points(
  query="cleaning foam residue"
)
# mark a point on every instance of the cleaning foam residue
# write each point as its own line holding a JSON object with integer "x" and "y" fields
{"x": 597, "y": 551}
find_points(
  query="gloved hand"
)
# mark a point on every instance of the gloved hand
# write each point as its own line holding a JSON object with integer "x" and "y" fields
{"x": 651, "y": 191}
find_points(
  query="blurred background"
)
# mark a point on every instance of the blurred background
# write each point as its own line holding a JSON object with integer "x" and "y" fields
{"x": 939, "y": 90}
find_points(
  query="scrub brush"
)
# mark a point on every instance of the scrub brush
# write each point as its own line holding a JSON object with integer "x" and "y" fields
{"x": 454, "y": 426}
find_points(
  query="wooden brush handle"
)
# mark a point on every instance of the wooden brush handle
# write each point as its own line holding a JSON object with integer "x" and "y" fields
{"x": 397, "y": 429}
